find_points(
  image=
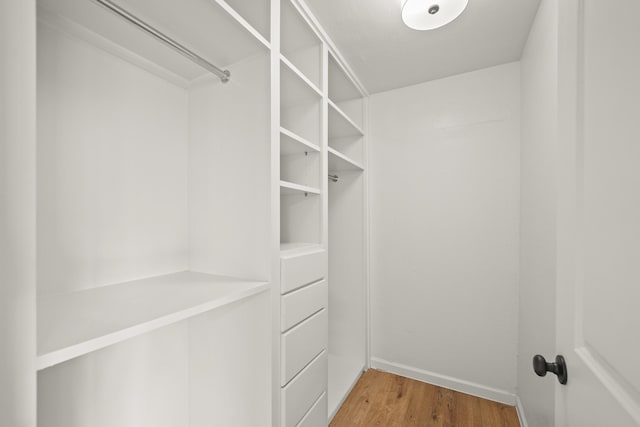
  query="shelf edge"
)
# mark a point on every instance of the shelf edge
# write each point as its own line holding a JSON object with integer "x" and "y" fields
{"x": 243, "y": 22}
{"x": 56, "y": 357}
{"x": 300, "y": 75}
{"x": 298, "y": 138}
{"x": 346, "y": 117}
{"x": 344, "y": 158}
{"x": 298, "y": 187}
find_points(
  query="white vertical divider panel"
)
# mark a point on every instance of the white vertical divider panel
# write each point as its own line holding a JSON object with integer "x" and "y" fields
{"x": 275, "y": 214}
{"x": 229, "y": 171}
{"x": 324, "y": 181}
{"x": 230, "y": 371}
{"x": 141, "y": 381}
{"x": 366, "y": 230}
{"x": 17, "y": 213}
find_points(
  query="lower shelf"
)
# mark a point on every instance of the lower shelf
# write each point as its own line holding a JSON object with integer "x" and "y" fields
{"x": 76, "y": 323}
{"x": 343, "y": 375}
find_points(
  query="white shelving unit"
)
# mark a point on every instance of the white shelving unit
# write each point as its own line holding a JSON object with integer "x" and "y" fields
{"x": 301, "y": 132}
{"x": 346, "y": 113}
{"x": 153, "y": 214}
{"x": 347, "y": 355}
{"x": 181, "y": 217}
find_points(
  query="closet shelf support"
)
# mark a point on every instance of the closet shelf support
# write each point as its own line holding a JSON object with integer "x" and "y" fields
{"x": 224, "y": 75}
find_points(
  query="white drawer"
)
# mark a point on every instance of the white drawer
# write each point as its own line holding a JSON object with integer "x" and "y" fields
{"x": 300, "y": 270}
{"x": 317, "y": 415}
{"x": 301, "y": 393}
{"x": 301, "y": 344}
{"x": 302, "y": 303}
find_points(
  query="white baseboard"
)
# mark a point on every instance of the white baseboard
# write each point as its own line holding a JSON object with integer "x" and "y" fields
{"x": 520, "y": 410}
{"x": 456, "y": 384}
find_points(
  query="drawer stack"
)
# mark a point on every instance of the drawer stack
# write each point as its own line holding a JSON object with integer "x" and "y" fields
{"x": 303, "y": 339}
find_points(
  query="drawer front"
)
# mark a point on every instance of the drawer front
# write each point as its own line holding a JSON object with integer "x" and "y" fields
{"x": 301, "y": 393}
{"x": 302, "y": 303}
{"x": 317, "y": 415}
{"x": 301, "y": 270}
{"x": 301, "y": 344}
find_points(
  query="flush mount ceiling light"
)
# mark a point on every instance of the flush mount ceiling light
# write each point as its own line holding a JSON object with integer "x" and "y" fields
{"x": 431, "y": 14}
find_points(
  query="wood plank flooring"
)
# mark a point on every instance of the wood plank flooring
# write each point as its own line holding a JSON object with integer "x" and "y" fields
{"x": 388, "y": 400}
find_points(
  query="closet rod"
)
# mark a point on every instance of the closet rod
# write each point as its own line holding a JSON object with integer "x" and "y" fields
{"x": 223, "y": 74}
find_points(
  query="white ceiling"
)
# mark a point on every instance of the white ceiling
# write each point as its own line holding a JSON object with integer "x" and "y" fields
{"x": 385, "y": 54}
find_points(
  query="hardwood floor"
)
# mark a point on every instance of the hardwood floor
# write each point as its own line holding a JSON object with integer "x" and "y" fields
{"x": 388, "y": 400}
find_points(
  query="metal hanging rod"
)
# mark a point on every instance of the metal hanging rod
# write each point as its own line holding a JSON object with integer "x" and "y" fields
{"x": 334, "y": 178}
{"x": 223, "y": 74}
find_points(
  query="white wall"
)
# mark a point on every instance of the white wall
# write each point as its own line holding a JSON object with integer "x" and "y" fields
{"x": 17, "y": 213}
{"x": 538, "y": 212}
{"x": 444, "y": 168}
{"x": 112, "y": 168}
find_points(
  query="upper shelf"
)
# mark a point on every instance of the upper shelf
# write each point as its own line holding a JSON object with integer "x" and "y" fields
{"x": 291, "y": 143}
{"x": 338, "y": 162}
{"x": 300, "y": 44}
{"x": 341, "y": 86}
{"x": 76, "y": 323}
{"x": 256, "y": 12}
{"x": 295, "y": 88}
{"x": 211, "y": 29}
{"x": 340, "y": 125}
{"x": 295, "y": 70}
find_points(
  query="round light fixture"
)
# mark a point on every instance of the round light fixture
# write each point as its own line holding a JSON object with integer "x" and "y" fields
{"x": 431, "y": 14}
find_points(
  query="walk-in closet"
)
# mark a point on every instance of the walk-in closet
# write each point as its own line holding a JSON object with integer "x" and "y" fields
{"x": 314, "y": 213}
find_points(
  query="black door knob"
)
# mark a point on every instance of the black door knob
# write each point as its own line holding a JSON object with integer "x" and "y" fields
{"x": 541, "y": 367}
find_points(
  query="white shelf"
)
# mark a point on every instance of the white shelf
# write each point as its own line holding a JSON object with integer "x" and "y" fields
{"x": 288, "y": 250}
{"x": 292, "y": 143}
{"x": 214, "y": 31}
{"x": 341, "y": 86}
{"x": 340, "y": 125}
{"x": 296, "y": 32}
{"x": 291, "y": 189}
{"x": 338, "y": 162}
{"x": 295, "y": 89}
{"x": 299, "y": 42}
{"x": 254, "y": 15}
{"x": 343, "y": 376}
{"x": 295, "y": 70}
{"x": 76, "y": 323}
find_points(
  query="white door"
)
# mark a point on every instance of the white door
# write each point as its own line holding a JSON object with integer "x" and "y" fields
{"x": 598, "y": 299}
